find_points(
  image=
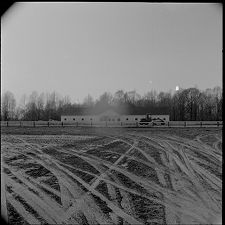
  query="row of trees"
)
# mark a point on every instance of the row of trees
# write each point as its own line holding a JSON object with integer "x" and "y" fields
{"x": 185, "y": 104}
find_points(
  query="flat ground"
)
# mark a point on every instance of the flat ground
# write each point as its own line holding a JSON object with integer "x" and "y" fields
{"x": 112, "y": 176}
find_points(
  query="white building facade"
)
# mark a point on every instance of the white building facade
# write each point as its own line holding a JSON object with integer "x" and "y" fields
{"x": 108, "y": 116}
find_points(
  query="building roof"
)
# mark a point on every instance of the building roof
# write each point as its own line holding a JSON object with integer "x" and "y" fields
{"x": 94, "y": 111}
{"x": 114, "y": 111}
{"x": 109, "y": 112}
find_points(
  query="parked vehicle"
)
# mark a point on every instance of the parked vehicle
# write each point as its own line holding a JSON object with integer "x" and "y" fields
{"x": 149, "y": 121}
{"x": 145, "y": 121}
{"x": 158, "y": 121}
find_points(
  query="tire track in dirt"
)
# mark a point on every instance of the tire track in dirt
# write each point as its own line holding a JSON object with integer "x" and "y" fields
{"x": 95, "y": 184}
{"x": 126, "y": 173}
{"x": 190, "y": 168}
{"x": 102, "y": 175}
{"x": 30, "y": 183}
{"x": 4, "y": 212}
{"x": 200, "y": 190}
{"x": 119, "y": 160}
{"x": 183, "y": 205}
{"x": 193, "y": 165}
{"x": 150, "y": 164}
{"x": 114, "y": 196}
{"x": 113, "y": 207}
{"x": 86, "y": 157}
{"x": 78, "y": 153}
{"x": 156, "y": 140}
{"x": 40, "y": 206}
{"x": 127, "y": 217}
{"x": 170, "y": 203}
{"x": 21, "y": 210}
{"x": 198, "y": 145}
{"x": 213, "y": 159}
{"x": 71, "y": 188}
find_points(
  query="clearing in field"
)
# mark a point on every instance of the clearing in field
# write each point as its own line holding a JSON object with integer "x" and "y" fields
{"x": 128, "y": 176}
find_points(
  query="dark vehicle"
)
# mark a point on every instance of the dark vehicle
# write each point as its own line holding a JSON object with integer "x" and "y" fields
{"x": 151, "y": 121}
{"x": 158, "y": 121}
{"x": 145, "y": 121}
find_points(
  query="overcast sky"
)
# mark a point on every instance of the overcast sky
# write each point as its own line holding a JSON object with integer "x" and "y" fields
{"x": 87, "y": 48}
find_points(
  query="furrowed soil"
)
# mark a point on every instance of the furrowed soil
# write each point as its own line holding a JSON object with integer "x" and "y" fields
{"x": 68, "y": 175}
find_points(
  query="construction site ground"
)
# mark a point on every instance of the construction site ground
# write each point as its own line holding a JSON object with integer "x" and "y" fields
{"x": 75, "y": 175}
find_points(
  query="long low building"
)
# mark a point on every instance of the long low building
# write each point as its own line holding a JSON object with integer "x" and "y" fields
{"x": 110, "y": 116}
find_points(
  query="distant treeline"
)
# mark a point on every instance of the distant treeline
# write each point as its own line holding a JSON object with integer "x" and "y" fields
{"x": 185, "y": 104}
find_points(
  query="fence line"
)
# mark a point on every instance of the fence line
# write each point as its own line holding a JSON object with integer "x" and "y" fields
{"x": 108, "y": 124}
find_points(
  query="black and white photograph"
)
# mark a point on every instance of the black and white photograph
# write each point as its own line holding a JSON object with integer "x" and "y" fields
{"x": 111, "y": 113}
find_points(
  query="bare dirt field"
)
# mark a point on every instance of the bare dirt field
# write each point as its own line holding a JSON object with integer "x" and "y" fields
{"x": 112, "y": 176}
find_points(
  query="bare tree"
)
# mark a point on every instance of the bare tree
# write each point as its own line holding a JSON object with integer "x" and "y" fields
{"x": 191, "y": 103}
{"x": 217, "y": 95}
{"x": 40, "y": 106}
{"x": 133, "y": 97}
{"x": 185, "y": 104}
{"x": 88, "y": 101}
{"x": 31, "y": 107}
{"x": 8, "y": 106}
{"x": 118, "y": 97}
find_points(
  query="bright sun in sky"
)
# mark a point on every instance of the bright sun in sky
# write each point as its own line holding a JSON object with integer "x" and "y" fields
{"x": 177, "y": 88}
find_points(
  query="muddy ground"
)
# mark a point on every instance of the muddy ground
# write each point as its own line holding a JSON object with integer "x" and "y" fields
{"x": 112, "y": 176}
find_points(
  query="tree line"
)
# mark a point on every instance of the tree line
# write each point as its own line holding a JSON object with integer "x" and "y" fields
{"x": 182, "y": 105}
